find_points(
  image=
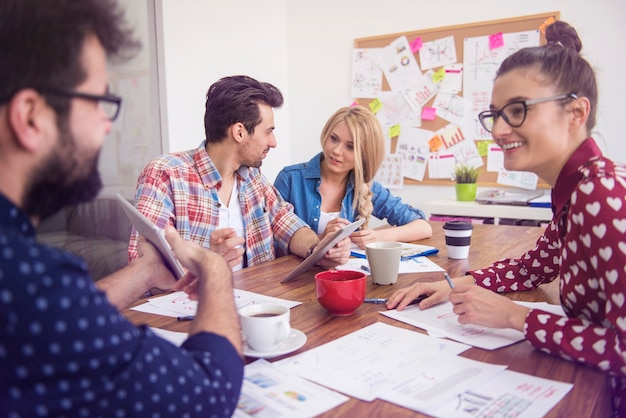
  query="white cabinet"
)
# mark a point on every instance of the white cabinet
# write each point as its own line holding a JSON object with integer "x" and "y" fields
{"x": 454, "y": 208}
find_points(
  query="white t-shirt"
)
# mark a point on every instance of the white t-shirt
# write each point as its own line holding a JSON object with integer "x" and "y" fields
{"x": 231, "y": 217}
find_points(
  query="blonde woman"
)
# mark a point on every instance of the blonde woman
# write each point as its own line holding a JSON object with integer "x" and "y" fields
{"x": 337, "y": 186}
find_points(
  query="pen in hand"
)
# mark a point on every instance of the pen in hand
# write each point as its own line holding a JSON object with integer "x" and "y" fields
{"x": 449, "y": 280}
{"x": 384, "y": 301}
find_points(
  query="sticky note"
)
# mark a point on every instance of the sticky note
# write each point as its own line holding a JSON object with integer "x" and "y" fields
{"x": 496, "y": 40}
{"x": 394, "y": 130}
{"x": 439, "y": 75}
{"x": 435, "y": 143}
{"x": 483, "y": 147}
{"x": 429, "y": 113}
{"x": 416, "y": 44}
{"x": 545, "y": 24}
{"x": 375, "y": 105}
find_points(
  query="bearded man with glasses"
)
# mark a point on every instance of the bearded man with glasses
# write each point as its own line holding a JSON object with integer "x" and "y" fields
{"x": 65, "y": 348}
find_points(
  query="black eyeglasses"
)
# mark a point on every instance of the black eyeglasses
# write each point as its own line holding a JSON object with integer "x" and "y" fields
{"x": 109, "y": 103}
{"x": 514, "y": 113}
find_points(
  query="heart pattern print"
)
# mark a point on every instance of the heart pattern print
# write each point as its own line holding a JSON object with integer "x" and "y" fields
{"x": 584, "y": 246}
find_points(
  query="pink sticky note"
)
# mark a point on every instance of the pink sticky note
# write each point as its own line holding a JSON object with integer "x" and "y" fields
{"x": 416, "y": 45}
{"x": 429, "y": 113}
{"x": 496, "y": 40}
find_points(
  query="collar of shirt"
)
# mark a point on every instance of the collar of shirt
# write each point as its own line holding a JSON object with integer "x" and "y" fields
{"x": 570, "y": 174}
{"x": 211, "y": 178}
{"x": 13, "y": 218}
{"x": 313, "y": 170}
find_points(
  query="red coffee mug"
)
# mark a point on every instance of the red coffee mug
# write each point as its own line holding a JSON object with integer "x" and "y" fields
{"x": 340, "y": 292}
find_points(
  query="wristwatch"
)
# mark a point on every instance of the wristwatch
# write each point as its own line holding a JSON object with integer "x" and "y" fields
{"x": 308, "y": 253}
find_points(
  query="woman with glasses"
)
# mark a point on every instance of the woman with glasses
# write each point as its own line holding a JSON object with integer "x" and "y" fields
{"x": 337, "y": 186}
{"x": 543, "y": 109}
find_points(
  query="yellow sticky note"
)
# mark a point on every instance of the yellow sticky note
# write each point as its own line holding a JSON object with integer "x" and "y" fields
{"x": 439, "y": 75}
{"x": 375, "y": 105}
{"x": 483, "y": 147}
{"x": 394, "y": 131}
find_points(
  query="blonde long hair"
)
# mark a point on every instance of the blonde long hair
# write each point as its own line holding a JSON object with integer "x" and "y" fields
{"x": 369, "y": 152}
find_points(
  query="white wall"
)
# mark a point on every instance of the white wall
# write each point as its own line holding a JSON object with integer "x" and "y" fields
{"x": 304, "y": 47}
{"x": 205, "y": 40}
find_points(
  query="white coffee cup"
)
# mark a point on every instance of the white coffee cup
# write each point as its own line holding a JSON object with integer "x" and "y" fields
{"x": 265, "y": 325}
{"x": 384, "y": 261}
{"x": 458, "y": 236}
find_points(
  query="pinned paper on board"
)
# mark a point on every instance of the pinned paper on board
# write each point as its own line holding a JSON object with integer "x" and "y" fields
{"x": 367, "y": 77}
{"x": 438, "y": 85}
{"x": 438, "y": 53}
{"x": 390, "y": 172}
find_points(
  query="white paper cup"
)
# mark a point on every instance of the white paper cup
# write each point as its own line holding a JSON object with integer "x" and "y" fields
{"x": 265, "y": 325}
{"x": 458, "y": 236}
{"x": 384, "y": 261}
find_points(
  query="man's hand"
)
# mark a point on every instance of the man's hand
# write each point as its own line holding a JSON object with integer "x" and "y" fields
{"x": 226, "y": 243}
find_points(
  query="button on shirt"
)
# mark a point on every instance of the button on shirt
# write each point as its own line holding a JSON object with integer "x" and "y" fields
{"x": 66, "y": 351}
{"x": 299, "y": 184}
{"x": 180, "y": 189}
{"x": 583, "y": 246}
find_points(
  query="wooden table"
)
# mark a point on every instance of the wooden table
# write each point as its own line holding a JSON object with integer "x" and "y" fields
{"x": 590, "y": 396}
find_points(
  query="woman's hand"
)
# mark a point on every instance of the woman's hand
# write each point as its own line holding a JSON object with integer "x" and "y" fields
{"x": 364, "y": 237}
{"x": 478, "y": 306}
{"x": 436, "y": 292}
{"x": 334, "y": 225}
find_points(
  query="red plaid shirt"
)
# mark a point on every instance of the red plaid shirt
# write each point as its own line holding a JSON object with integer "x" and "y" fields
{"x": 181, "y": 188}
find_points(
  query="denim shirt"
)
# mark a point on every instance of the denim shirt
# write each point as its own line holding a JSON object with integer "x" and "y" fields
{"x": 299, "y": 184}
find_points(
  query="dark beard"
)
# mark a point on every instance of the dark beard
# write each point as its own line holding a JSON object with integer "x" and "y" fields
{"x": 56, "y": 185}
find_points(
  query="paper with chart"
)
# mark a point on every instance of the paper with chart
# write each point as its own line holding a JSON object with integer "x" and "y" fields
{"x": 507, "y": 394}
{"x": 371, "y": 361}
{"x": 178, "y": 303}
{"x": 440, "y": 320}
{"x": 268, "y": 392}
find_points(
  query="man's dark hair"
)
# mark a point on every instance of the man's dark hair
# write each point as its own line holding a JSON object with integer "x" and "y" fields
{"x": 41, "y": 43}
{"x": 236, "y": 99}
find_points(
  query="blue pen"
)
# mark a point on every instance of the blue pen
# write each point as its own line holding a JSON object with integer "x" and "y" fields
{"x": 185, "y": 318}
{"x": 365, "y": 269}
{"x": 422, "y": 254}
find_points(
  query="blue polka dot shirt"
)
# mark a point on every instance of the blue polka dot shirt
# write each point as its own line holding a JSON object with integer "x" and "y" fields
{"x": 66, "y": 352}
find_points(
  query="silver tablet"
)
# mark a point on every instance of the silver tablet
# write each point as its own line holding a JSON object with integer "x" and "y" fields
{"x": 152, "y": 233}
{"x": 328, "y": 242}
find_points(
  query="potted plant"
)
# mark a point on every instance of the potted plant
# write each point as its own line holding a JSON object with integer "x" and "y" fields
{"x": 465, "y": 177}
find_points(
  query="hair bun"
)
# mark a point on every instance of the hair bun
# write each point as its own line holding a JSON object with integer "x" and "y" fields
{"x": 562, "y": 34}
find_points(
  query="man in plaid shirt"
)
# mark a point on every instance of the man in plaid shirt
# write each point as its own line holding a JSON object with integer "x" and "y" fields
{"x": 216, "y": 195}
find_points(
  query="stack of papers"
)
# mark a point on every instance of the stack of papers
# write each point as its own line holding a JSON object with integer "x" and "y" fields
{"x": 407, "y": 368}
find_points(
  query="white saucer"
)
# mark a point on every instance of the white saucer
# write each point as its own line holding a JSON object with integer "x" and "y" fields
{"x": 295, "y": 340}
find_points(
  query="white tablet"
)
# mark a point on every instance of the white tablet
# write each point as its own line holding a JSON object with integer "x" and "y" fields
{"x": 152, "y": 233}
{"x": 328, "y": 242}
